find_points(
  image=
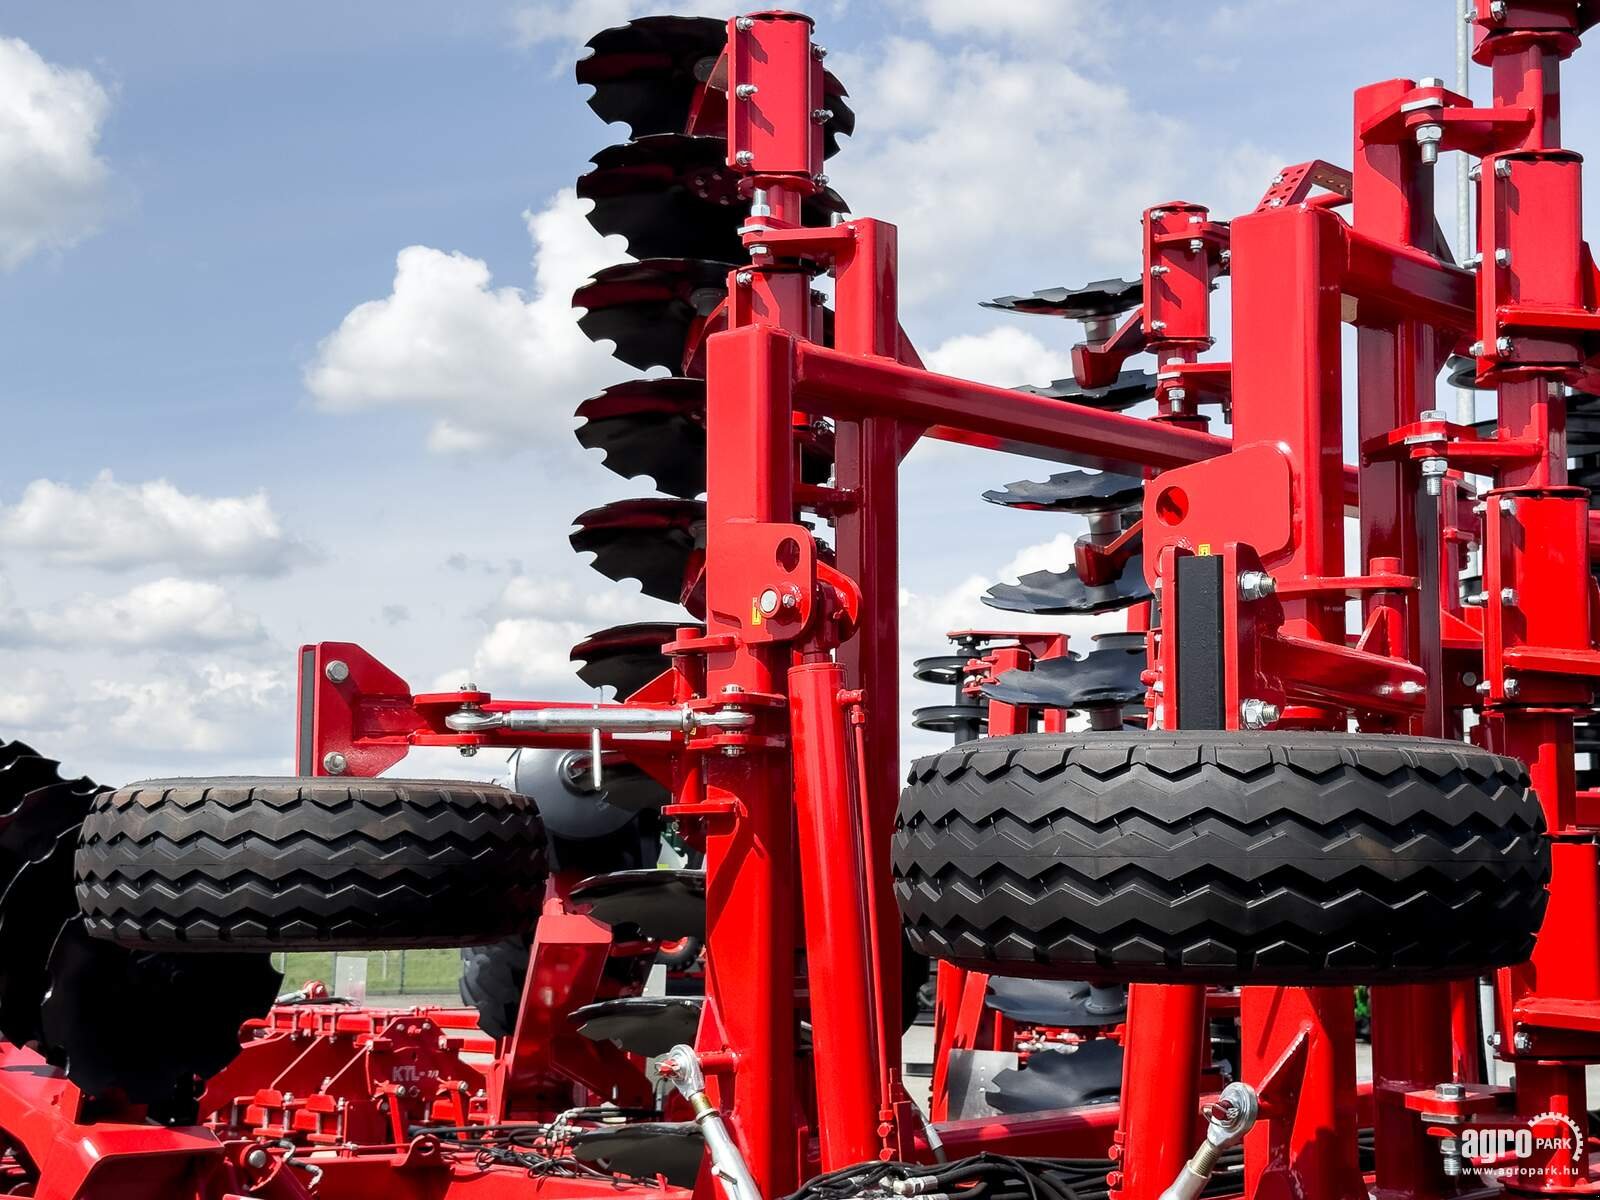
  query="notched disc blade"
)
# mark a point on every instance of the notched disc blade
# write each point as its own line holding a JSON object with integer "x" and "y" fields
{"x": 38, "y": 902}
{"x": 1061, "y": 1004}
{"x": 644, "y": 1149}
{"x": 645, "y": 73}
{"x": 1072, "y": 492}
{"x": 673, "y": 195}
{"x": 648, "y": 1025}
{"x": 947, "y": 669}
{"x": 1101, "y": 298}
{"x": 1055, "y": 593}
{"x": 652, "y": 310}
{"x": 1103, "y": 678}
{"x": 1130, "y": 388}
{"x": 153, "y": 1026}
{"x": 657, "y": 428}
{"x": 661, "y": 543}
{"x": 1091, "y": 1074}
{"x": 624, "y": 657}
{"x": 969, "y": 719}
{"x": 660, "y": 904}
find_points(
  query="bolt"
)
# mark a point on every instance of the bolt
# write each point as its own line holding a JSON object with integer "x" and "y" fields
{"x": 1502, "y": 168}
{"x": 1469, "y": 678}
{"x": 1495, "y": 1039}
{"x": 1508, "y": 597}
{"x": 1511, "y": 687}
{"x": 819, "y": 51}
{"x": 337, "y": 671}
{"x": 1474, "y": 599}
{"x": 1475, "y": 172}
{"x": 1502, "y": 345}
{"x": 1508, "y": 506}
{"x": 743, "y": 278}
{"x": 1160, "y": 270}
{"x": 1433, "y": 414}
{"x": 790, "y": 600}
{"x": 1197, "y": 244}
{"x": 257, "y": 1159}
{"x": 1502, "y": 257}
{"x": 1472, "y": 262}
{"x": 1258, "y": 714}
{"x": 1450, "y": 1156}
{"x": 467, "y": 751}
{"x": 732, "y": 751}
{"x": 1177, "y": 394}
{"x": 1476, "y": 349}
{"x": 744, "y": 158}
{"x": 1522, "y": 1040}
{"x": 1428, "y": 142}
{"x": 1450, "y": 1091}
{"x": 1497, "y": 10}
{"x": 1157, "y": 326}
{"x": 1410, "y": 687}
{"x": 744, "y": 24}
{"x": 1433, "y": 472}
{"x": 467, "y": 687}
{"x": 745, "y": 90}
{"x": 768, "y": 602}
{"x": 1483, "y": 688}
{"x": 1430, "y": 81}
{"x": 1256, "y": 585}
{"x": 758, "y": 250}
{"x": 822, "y": 115}
{"x": 335, "y": 763}
{"x": 820, "y": 180}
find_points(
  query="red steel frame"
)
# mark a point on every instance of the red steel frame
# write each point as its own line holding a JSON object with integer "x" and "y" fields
{"x": 796, "y": 813}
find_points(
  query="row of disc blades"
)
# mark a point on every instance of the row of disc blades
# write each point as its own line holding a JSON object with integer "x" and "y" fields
{"x": 669, "y": 193}
{"x": 147, "y": 1027}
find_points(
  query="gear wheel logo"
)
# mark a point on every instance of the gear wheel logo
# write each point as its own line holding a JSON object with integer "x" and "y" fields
{"x": 1549, "y": 1143}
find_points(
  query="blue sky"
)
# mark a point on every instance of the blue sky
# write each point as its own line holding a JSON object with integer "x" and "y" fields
{"x": 199, "y": 295}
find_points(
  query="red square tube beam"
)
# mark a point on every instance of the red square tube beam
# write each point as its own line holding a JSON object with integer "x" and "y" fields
{"x": 957, "y": 410}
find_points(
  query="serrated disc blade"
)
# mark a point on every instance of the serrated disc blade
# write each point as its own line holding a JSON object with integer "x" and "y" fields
{"x": 645, "y": 73}
{"x": 152, "y": 1026}
{"x": 947, "y": 669}
{"x": 1072, "y": 492}
{"x": 660, "y": 904}
{"x": 653, "y": 312}
{"x": 1061, "y": 1004}
{"x": 651, "y": 427}
{"x": 967, "y": 719}
{"x": 647, "y": 1025}
{"x": 624, "y": 657}
{"x": 1056, "y": 593}
{"x": 1100, "y": 679}
{"x": 644, "y": 1149}
{"x": 1131, "y": 387}
{"x": 659, "y": 542}
{"x": 1100, "y": 298}
{"x": 1091, "y": 1074}
{"x": 37, "y": 903}
{"x": 671, "y": 195}
{"x": 842, "y": 122}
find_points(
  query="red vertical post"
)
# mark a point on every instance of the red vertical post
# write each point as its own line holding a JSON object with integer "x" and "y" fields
{"x": 867, "y": 456}
{"x": 1286, "y": 389}
{"x": 1397, "y": 365}
{"x": 750, "y": 917}
{"x": 838, "y": 951}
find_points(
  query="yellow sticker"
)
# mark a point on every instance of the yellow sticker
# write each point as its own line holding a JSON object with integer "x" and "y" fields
{"x": 1203, "y": 550}
{"x": 755, "y": 611}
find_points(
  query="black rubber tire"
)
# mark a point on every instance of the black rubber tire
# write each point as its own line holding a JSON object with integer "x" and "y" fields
{"x": 317, "y": 864}
{"x": 1208, "y": 857}
{"x": 491, "y": 982}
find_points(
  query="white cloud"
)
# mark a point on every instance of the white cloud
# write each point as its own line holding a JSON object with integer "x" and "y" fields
{"x": 1006, "y": 356}
{"x": 576, "y": 21}
{"x": 494, "y": 366}
{"x": 209, "y": 709}
{"x": 997, "y": 19}
{"x": 534, "y": 625}
{"x": 55, "y": 183}
{"x": 165, "y": 614}
{"x": 116, "y": 526}
{"x": 990, "y": 161}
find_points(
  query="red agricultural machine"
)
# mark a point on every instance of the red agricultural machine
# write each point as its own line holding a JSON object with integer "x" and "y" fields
{"x": 1153, "y": 873}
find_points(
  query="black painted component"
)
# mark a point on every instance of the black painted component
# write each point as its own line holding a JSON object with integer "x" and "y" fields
{"x": 1091, "y": 1074}
{"x": 660, "y": 904}
{"x": 1101, "y": 298}
{"x": 1072, "y": 492}
{"x": 1201, "y": 666}
{"x": 651, "y": 311}
{"x": 661, "y": 543}
{"x": 1060, "y": 592}
{"x": 648, "y": 1025}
